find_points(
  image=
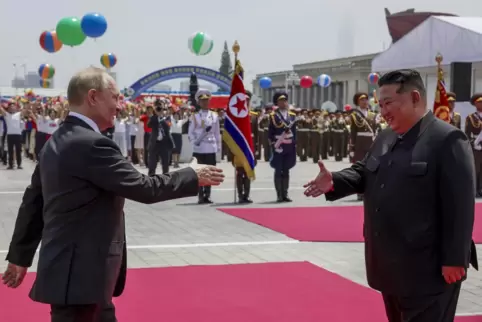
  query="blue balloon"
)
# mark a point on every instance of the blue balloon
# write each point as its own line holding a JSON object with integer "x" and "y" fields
{"x": 265, "y": 82}
{"x": 93, "y": 25}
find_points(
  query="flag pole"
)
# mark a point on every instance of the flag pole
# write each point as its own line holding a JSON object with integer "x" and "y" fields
{"x": 236, "y": 49}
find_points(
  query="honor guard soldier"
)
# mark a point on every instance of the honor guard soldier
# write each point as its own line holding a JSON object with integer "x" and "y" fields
{"x": 346, "y": 133}
{"x": 473, "y": 125}
{"x": 339, "y": 127}
{"x": 455, "y": 118}
{"x": 253, "y": 114}
{"x": 303, "y": 128}
{"x": 263, "y": 130}
{"x": 224, "y": 147}
{"x": 315, "y": 136}
{"x": 362, "y": 128}
{"x": 205, "y": 136}
{"x": 325, "y": 135}
{"x": 282, "y": 136}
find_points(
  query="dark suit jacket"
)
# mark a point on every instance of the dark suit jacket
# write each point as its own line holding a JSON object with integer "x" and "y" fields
{"x": 81, "y": 182}
{"x": 167, "y": 141}
{"x": 419, "y": 196}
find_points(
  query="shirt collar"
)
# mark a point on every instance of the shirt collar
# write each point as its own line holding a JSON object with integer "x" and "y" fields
{"x": 86, "y": 120}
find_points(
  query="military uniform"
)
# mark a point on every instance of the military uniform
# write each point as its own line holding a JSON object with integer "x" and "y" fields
{"x": 473, "y": 126}
{"x": 255, "y": 132}
{"x": 303, "y": 131}
{"x": 205, "y": 135}
{"x": 346, "y": 133}
{"x": 315, "y": 136}
{"x": 455, "y": 118}
{"x": 224, "y": 147}
{"x": 338, "y": 130}
{"x": 282, "y": 129}
{"x": 325, "y": 136}
{"x": 263, "y": 131}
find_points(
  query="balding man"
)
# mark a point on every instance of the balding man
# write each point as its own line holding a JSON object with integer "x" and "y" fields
{"x": 81, "y": 183}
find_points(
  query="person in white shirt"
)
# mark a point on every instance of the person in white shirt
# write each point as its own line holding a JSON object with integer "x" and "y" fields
{"x": 15, "y": 125}
{"x": 176, "y": 132}
{"x": 120, "y": 132}
{"x": 3, "y": 140}
{"x": 51, "y": 122}
{"x": 139, "y": 143}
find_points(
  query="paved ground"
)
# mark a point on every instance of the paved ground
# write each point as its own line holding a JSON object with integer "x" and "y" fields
{"x": 180, "y": 232}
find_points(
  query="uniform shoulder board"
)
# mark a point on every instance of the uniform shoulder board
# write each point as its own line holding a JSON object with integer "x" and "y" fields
{"x": 292, "y": 113}
{"x": 271, "y": 114}
{"x": 456, "y": 114}
{"x": 253, "y": 113}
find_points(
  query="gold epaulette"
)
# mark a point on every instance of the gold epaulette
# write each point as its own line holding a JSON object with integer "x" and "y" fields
{"x": 253, "y": 113}
{"x": 292, "y": 113}
{"x": 456, "y": 114}
{"x": 271, "y": 114}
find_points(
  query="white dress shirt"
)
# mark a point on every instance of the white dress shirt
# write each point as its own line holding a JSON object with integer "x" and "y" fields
{"x": 86, "y": 120}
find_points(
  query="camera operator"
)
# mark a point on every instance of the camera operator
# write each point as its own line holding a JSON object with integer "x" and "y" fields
{"x": 160, "y": 142}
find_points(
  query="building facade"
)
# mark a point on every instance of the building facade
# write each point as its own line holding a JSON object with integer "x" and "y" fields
{"x": 348, "y": 76}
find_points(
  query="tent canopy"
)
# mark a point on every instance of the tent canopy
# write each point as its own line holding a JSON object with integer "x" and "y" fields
{"x": 458, "y": 39}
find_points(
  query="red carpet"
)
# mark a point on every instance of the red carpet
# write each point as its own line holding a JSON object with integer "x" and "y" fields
{"x": 321, "y": 224}
{"x": 271, "y": 292}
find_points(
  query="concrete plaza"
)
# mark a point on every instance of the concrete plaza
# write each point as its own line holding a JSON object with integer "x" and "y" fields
{"x": 180, "y": 232}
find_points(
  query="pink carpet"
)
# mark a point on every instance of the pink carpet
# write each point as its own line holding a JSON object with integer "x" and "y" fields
{"x": 321, "y": 224}
{"x": 270, "y": 292}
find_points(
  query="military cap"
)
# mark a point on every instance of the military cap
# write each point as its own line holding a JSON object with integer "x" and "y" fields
{"x": 268, "y": 106}
{"x": 203, "y": 94}
{"x": 317, "y": 112}
{"x": 358, "y": 96}
{"x": 477, "y": 97}
{"x": 279, "y": 96}
{"x": 451, "y": 96}
{"x": 249, "y": 94}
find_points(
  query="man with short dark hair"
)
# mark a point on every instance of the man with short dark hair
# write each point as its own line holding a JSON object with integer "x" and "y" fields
{"x": 419, "y": 194}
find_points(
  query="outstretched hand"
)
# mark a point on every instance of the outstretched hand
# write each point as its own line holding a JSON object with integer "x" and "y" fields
{"x": 208, "y": 175}
{"x": 323, "y": 182}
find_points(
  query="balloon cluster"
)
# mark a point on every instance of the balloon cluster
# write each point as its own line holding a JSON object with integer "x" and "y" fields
{"x": 305, "y": 82}
{"x": 46, "y": 73}
{"x": 72, "y": 31}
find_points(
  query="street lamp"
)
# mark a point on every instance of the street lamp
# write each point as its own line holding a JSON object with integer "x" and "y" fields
{"x": 292, "y": 79}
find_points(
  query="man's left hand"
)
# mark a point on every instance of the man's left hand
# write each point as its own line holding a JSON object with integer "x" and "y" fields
{"x": 453, "y": 274}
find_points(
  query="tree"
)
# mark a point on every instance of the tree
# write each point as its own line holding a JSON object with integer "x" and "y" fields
{"x": 226, "y": 64}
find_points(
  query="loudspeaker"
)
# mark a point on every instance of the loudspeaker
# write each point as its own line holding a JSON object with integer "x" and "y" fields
{"x": 461, "y": 80}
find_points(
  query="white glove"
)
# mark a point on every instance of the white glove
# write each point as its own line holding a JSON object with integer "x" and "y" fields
{"x": 352, "y": 154}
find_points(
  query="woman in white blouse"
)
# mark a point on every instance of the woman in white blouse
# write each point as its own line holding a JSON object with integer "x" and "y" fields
{"x": 139, "y": 143}
{"x": 176, "y": 132}
{"x": 120, "y": 129}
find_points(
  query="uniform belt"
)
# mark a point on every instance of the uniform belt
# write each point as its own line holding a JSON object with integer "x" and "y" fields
{"x": 303, "y": 130}
{"x": 314, "y": 130}
{"x": 260, "y": 129}
{"x": 364, "y": 134}
{"x": 338, "y": 131}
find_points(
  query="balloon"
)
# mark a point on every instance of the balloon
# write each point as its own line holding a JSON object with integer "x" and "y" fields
{"x": 46, "y": 71}
{"x": 70, "y": 32}
{"x": 324, "y": 80}
{"x": 93, "y": 25}
{"x": 306, "y": 81}
{"x": 347, "y": 107}
{"x": 265, "y": 82}
{"x": 108, "y": 60}
{"x": 373, "y": 78}
{"x": 44, "y": 83}
{"x": 50, "y": 42}
{"x": 200, "y": 44}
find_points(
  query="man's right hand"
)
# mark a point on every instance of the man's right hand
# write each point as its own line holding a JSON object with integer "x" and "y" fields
{"x": 14, "y": 275}
{"x": 323, "y": 182}
{"x": 207, "y": 175}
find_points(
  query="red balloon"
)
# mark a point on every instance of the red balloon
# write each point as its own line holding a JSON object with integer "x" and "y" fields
{"x": 347, "y": 107}
{"x": 306, "y": 81}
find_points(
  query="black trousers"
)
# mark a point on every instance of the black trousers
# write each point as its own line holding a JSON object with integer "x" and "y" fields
{"x": 157, "y": 151}
{"x": 14, "y": 142}
{"x": 439, "y": 307}
{"x": 3, "y": 148}
{"x": 83, "y": 313}
{"x": 134, "y": 158}
{"x": 147, "y": 137}
{"x": 208, "y": 159}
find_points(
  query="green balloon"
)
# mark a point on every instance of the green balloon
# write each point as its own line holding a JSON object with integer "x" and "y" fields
{"x": 69, "y": 31}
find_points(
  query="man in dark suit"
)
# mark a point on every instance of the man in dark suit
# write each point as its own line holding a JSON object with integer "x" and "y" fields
{"x": 160, "y": 142}
{"x": 74, "y": 206}
{"x": 418, "y": 183}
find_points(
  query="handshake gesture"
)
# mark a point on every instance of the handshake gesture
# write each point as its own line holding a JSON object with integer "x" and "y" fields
{"x": 323, "y": 182}
{"x": 208, "y": 175}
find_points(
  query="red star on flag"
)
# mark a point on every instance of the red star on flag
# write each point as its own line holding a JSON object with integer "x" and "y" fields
{"x": 240, "y": 104}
